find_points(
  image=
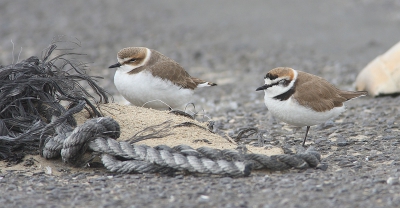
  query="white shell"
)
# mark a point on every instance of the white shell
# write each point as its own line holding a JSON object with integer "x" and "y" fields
{"x": 382, "y": 75}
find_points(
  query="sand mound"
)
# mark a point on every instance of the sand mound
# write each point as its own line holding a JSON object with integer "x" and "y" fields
{"x": 133, "y": 119}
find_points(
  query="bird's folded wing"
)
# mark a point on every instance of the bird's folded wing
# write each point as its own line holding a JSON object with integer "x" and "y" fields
{"x": 172, "y": 71}
{"x": 317, "y": 93}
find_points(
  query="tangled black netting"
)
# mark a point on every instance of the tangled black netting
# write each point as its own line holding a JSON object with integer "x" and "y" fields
{"x": 31, "y": 93}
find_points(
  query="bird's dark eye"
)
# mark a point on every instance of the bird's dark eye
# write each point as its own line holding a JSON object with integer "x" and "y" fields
{"x": 132, "y": 60}
{"x": 284, "y": 82}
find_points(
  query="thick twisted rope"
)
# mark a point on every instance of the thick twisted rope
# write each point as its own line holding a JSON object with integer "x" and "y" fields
{"x": 99, "y": 135}
{"x": 165, "y": 158}
{"x": 305, "y": 160}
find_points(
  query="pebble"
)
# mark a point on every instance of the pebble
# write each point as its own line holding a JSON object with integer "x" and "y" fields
{"x": 341, "y": 142}
{"x": 393, "y": 180}
{"x": 225, "y": 180}
{"x": 388, "y": 137}
{"x": 203, "y": 199}
{"x": 322, "y": 166}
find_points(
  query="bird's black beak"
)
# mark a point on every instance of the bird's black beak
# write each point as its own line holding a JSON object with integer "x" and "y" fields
{"x": 115, "y": 65}
{"x": 263, "y": 87}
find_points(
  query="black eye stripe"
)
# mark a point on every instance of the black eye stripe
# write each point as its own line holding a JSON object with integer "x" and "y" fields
{"x": 277, "y": 83}
{"x": 133, "y": 60}
{"x": 271, "y": 85}
{"x": 283, "y": 82}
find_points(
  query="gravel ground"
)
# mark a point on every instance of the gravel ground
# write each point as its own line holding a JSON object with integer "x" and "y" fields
{"x": 232, "y": 43}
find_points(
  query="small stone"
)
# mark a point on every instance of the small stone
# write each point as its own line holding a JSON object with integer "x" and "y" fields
{"x": 379, "y": 180}
{"x": 49, "y": 187}
{"x": 322, "y": 166}
{"x": 320, "y": 140}
{"x": 328, "y": 124}
{"x": 135, "y": 177}
{"x": 102, "y": 178}
{"x": 179, "y": 177}
{"x": 392, "y": 181}
{"x": 80, "y": 177}
{"x": 203, "y": 199}
{"x": 390, "y": 137}
{"x": 163, "y": 195}
{"x": 341, "y": 142}
{"x": 41, "y": 202}
{"x": 225, "y": 180}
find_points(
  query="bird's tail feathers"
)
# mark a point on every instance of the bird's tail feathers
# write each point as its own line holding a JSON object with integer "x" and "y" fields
{"x": 206, "y": 84}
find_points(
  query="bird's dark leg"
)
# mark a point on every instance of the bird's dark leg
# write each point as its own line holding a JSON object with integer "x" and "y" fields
{"x": 305, "y": 138}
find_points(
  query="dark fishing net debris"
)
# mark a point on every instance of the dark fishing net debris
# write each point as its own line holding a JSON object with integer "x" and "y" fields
{"x": 35, "y": 90}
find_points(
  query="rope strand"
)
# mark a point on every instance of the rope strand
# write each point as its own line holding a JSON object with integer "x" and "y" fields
{"x": 99, "y": 135}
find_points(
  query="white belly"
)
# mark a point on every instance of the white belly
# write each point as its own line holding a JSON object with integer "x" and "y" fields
{"x": 289, "y": 111}
{"x": 143, "y": 89}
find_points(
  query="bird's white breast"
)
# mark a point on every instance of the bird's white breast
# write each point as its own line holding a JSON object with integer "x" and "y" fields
{"x": 289, "y": 111}
{"x": 143, "y": 89}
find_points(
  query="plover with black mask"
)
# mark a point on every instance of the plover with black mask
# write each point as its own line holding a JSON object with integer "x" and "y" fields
{"x": 302, "y": 99}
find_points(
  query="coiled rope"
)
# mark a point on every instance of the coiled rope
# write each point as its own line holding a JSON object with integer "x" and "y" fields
{"x": 99, "y": 135}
